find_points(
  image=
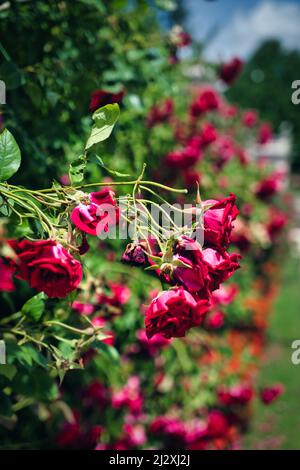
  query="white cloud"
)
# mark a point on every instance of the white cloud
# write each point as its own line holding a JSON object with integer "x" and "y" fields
{"x": 246, "y": 30}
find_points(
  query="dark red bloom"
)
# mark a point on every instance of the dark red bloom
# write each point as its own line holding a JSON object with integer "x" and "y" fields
{"x": 184, "y": 39}
{"x": 218, "y": 220}
{"x": 217, "y": 424}
{"x": 214, "y": 320}
{"x": 174, "y": 312}
{"x": 193, "y": 271}
{"x": 203, "y": 270}
{"x": 269, "y": 394}
{"x": 221, "y": 266}
{"x": 237, "y": 395}
{"x": 160, "y": 113}
{"x": 276, "y": 224}
{"x": 183, "y": 158}
{"x": 120, "y": 294}
{"x": 97, "y": 213}
{"x": 224, "y": 149}
{"x": 208, "y": 134}
{"x": 265, "y": 133}
{"x": 249, "y": 118}
{"x": 47, "y": 266}
{"x": 207, "y": 100}
{"x": 171, "y": 429}
{"x": 230, "y": 71}
{"x": 269, "y": 186}
{"x": 96, "y": 394}
{"x": 153, "y": 345}
{"x": 101, "y": 98}
{"x": 135, "y": 255}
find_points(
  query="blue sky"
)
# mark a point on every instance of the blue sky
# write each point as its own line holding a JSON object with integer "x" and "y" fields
{"x": 242, "y": 24}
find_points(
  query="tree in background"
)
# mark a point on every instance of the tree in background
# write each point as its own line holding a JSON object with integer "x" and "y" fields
{"x": 265, "y": 84}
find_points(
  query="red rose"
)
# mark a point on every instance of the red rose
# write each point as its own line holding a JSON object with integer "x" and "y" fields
{"x": 229, "y": 72}
{"x": 120, "y": 294}
{"x": 269, "y": 394}
{"x": 207, "y": 100}
{"x": 221, "y": 266}
{"x": 277, "y": 222}
{"x": 100, "y": 213}
{"x": 168, "y": 427}
{"x": 218, "y": 220}
{"x": 225, "y": 294}
{"x": 215, "y": 320}
{"x": 194, "y": 278}
{"x": 265, "y": 133}
{"x": 184, "y": 158}
{"x": 47, "y": 266}
{"x": 224, "y": 150}
{"x": 237, "y": 395}
{"x": 6, "y": 272}
{"x": 269, "y": 186}
{"x": 153, "y": 345}
{"x": 217, "y": 424}
{"x": 101, "y": 98}
{"x": 174, "y": 312}
{"x": 162, "y": 113}
{"x": 184, "y": 39}
{"x": 249, "y": 118}
{"x": 208, "y": 134}
{"x": 205, "y": 269}
{"x": 96, "y": 394}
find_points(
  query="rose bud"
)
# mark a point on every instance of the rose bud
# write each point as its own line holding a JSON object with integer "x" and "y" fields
{"x": 134, "y": 255}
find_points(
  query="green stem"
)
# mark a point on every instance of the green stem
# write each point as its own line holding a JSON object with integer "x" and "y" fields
{"x": 87, "y": 331}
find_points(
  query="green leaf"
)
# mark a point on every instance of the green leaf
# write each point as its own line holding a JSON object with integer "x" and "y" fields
{"x": 105, "y": 119}
{"x": 36, "y": 383}
{"x": 5, "y": 405}
{"x": 8, "y": 370}
{"x": 10, "y": 155}
{"x": 25, "y": 354}
{"x": 34, "y": 307}
{"x": 77, "y": 169}
{"x": 11, "y": 75}
{"x": 109, "y": 351}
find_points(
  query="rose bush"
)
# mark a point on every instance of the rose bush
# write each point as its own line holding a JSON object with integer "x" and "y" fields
{"x": 159, "y": 335}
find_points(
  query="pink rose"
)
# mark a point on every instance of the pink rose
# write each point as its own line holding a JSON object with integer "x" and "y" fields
{"x": 98, "y": 214}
